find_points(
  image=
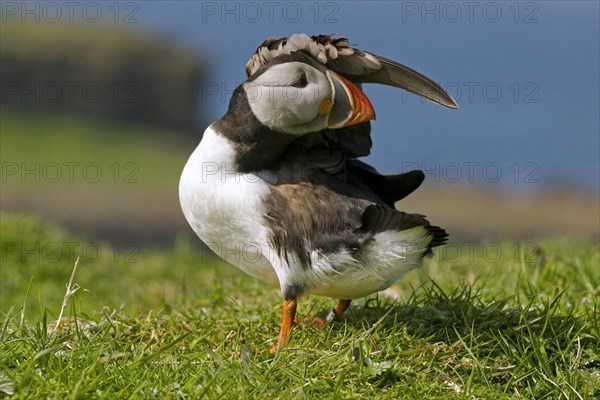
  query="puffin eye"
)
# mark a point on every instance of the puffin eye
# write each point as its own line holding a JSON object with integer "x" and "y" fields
{"x": 301, "y": 82}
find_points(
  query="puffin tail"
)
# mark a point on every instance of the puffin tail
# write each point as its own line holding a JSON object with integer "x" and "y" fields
{"x": 412, "y": 232}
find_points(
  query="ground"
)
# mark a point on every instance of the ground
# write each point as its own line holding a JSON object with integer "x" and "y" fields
{"x": 503, "y": 320}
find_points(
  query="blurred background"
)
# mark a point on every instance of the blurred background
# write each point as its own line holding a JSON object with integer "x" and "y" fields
{"x": 102, "y": 103}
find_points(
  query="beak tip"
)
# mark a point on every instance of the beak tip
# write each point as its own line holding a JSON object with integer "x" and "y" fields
{"x": 453, "y": 104}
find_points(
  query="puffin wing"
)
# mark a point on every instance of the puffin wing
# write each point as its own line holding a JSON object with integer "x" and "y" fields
{"x": 390, "y": 188}
{"x": 331, "y": 163}
{"x": 313, "y": 207}
{"x": 319, "y": 216}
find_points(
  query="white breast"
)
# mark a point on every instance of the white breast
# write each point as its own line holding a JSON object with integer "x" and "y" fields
{"x": 225, "y": 207}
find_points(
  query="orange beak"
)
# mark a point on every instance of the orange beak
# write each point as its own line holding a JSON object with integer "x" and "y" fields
{"x": 349, "y": 105}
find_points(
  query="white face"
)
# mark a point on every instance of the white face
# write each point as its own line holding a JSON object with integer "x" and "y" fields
{"x": 289, "y": 98}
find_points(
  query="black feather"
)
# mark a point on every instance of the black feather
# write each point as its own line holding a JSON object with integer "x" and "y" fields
{"x": 378, "y": 218}
{"x": 390, "y": 188}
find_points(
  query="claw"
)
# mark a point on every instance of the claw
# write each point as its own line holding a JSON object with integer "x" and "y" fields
{"x": 315, "y": 322}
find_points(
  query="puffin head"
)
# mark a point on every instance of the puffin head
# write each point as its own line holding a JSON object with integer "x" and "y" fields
{"x": 295, "y": 94}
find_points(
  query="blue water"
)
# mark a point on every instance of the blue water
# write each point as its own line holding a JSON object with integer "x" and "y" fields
{"x": 526, "y": 76}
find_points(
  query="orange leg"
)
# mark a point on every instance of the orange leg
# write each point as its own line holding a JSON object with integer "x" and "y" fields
{"x": 338, "y": 310}
{"x": 341, "y": 307}
{"x": 333, "y": 314}
{"x": 288, "y": 309}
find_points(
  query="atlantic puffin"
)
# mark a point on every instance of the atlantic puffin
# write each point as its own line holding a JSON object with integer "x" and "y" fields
{"x": 275, "y": 186}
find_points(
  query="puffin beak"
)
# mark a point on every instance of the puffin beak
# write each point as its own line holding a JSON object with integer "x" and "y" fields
{"x": 348, "y": 104}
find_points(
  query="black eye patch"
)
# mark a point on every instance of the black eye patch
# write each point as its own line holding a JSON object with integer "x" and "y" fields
{"x": 301, "y": 82}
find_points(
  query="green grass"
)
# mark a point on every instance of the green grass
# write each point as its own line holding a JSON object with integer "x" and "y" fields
{"x": 174, "y": 324}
